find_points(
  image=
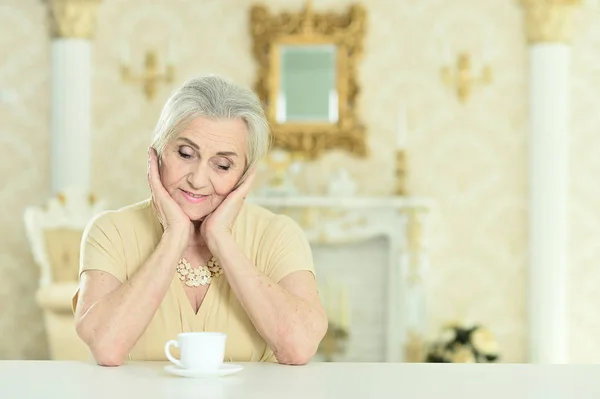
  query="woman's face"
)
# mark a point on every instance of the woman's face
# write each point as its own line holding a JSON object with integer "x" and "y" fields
{"x": 203, "y": 163}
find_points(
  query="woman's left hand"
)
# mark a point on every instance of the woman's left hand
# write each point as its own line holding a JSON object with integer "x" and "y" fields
{"x": 219, "y": 223}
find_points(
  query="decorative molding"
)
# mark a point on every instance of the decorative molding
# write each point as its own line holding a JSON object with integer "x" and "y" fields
{"x": 73, "y": 19}
{"x": 549, "y": 21}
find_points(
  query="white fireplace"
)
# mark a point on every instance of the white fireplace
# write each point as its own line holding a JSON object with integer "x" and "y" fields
{"x": 366, "y": 250}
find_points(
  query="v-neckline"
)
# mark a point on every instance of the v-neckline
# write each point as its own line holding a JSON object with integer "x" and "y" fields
{"x": 182, "y": 296}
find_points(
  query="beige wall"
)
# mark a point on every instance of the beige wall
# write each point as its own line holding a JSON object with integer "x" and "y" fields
{"x": 584, "y": 318}
{"x": 470, "y": 159}
{"x": 24, "y": 144}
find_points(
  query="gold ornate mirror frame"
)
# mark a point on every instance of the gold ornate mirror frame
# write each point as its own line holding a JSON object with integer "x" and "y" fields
{"x": 346, "y": 32}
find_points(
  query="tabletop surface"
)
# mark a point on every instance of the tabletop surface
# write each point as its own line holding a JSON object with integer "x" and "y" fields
{"x": 66, "y": 380}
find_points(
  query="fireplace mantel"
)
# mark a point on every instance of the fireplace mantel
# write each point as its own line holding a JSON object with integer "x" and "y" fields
{"x": 402, "y": 221}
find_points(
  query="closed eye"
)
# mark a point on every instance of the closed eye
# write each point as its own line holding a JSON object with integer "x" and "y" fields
{"x": 184, "y": 155}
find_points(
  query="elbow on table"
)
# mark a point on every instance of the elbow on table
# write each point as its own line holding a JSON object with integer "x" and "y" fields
{"x": 104, "y": 350}
{"x": 299, "y": 350}
{"x": 294, "y": 359}
{"x": 295, "y": 354}
{"x": 299, "y": 360}
{"x": 106, "y": 354}
{"x": 108, "y": 358}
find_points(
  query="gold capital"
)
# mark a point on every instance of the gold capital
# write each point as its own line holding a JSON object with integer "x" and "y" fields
{"x": 549, "y": 21}
{"x": 75, "y": 19}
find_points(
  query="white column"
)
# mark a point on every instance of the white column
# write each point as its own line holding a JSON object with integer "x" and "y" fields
{"x": 72, "y": 24}
{"x": 71, "y": 114}
{"x": 548, "y": 201}
{"x": 548, "y": 31}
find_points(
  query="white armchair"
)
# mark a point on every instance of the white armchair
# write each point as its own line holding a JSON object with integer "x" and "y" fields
{"x": 54, "y": 232}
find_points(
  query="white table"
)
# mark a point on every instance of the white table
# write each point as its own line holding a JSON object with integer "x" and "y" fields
{"x": 66, "y": 380}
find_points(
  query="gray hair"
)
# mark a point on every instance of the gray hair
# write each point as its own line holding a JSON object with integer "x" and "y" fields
{"x": 215, "y": 98}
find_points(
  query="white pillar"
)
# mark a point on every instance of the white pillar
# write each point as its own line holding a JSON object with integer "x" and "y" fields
{"x": 548, "y": 31}
{"x": 72, "y": 24}
{"x": 548, "y": 201}
{"x": 71, "y": 114}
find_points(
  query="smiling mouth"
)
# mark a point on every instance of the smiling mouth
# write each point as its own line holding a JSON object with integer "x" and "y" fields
{"x": 194, "y": 198}
{"x": 194, "y": 195}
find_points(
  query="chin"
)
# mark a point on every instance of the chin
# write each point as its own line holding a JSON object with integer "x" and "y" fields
{"x": 196, "y": 216}
{"x": 195, "y": 213}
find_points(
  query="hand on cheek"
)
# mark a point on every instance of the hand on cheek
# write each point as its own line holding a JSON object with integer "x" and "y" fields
{"x": 219, "y": 223}
{"x": 168, "y": 212}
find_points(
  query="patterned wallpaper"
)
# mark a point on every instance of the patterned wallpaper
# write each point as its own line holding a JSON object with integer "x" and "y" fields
{"x": 24, "y": 142}
{"x": 471, "y": 159}
{"x": 584, "y": 321}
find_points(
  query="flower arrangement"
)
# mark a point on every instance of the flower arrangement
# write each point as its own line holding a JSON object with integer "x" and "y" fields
{"x": 462, "y": 344}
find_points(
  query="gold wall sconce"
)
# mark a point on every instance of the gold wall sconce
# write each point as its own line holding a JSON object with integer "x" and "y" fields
{"x": 401, "y": 172}
{"x": 463, "y": 79}
{"x": 151, "y": 76}
{"x": 401, "y": 162}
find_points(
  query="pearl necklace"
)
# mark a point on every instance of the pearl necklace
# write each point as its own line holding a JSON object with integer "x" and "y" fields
{"x": 201, "y": 275}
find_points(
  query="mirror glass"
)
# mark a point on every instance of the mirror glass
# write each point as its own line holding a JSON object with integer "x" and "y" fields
{"x": 307, "y": 84}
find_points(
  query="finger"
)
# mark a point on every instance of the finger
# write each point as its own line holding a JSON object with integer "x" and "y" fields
{"x": 244, "y": 188}
{"x": 153, "y": 173}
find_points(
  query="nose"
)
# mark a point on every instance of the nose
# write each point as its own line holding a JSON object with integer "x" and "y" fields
{"x": 198, "y": 177}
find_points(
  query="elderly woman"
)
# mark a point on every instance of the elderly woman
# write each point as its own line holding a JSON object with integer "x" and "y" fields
{"x": 195, "y": 257}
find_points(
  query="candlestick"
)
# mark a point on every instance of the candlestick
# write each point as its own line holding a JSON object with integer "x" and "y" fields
{"x": 400, "y": 172}
{"x": 402, "y": 131}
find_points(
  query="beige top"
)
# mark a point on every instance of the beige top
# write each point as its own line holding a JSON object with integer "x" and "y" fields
{"x": 119, "y": 242}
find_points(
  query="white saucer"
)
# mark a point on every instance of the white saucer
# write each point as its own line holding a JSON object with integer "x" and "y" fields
{"x": 224, "y": 369}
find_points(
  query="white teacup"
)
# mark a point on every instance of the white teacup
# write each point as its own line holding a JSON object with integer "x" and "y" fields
{"x": 202, "y": 351}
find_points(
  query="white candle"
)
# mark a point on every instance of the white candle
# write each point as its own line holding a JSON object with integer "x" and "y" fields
{"x": 281, "y": 111}
{"x": 402, "y": 129}
{"x": 333, "y": 106}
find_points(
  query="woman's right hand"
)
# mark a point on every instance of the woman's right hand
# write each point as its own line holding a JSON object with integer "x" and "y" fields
{"x": 169, "y": 213}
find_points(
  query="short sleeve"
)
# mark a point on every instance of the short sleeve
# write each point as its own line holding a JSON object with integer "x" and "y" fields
{"x": 287, "y": 249}
{"x": 102, "y": 248}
